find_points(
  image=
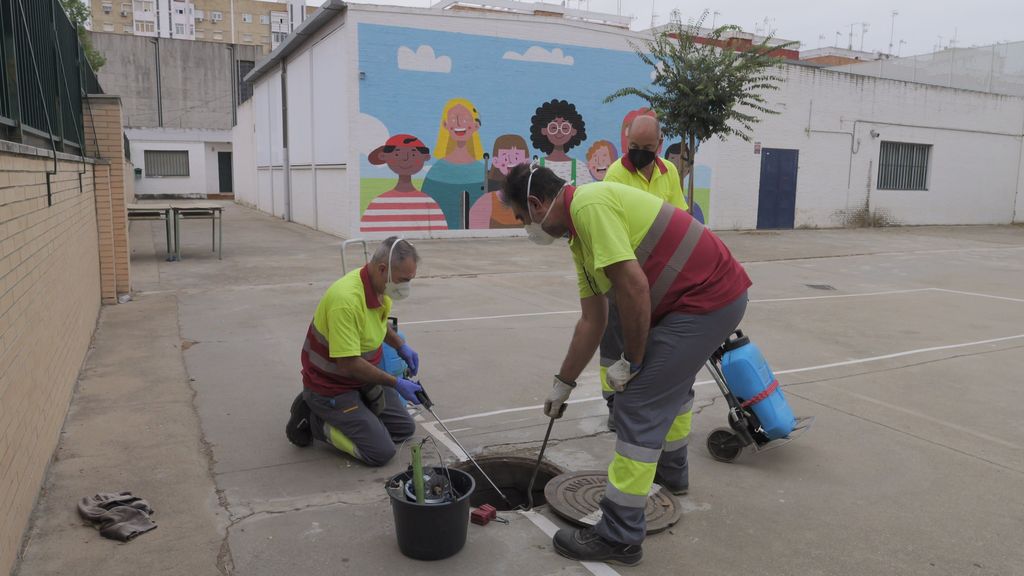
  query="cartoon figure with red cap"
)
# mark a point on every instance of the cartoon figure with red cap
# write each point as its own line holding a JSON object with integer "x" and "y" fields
{"x": 403, "y": 208}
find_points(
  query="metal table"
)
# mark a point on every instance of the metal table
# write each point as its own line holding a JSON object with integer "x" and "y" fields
{"x": 200, "y": 211}
{"x": 156, "y": 211}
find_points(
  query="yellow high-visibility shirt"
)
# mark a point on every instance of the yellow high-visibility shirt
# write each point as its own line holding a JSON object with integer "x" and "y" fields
{"x": 664, "y": 182}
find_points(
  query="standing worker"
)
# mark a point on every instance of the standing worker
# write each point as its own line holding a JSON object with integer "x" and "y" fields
{"x": 347, "y": 400}
{"x": 640, "y": 168}
{"x": 680, "y": 293}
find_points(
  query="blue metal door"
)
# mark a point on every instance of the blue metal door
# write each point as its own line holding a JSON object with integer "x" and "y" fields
{"x": 776, "y": 198}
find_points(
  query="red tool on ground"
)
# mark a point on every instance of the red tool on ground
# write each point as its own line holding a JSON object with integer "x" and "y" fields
{"x": 484, "y": 514}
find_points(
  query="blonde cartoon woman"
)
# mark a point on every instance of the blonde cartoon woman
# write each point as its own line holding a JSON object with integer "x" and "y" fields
{"x": 456, "y": 180}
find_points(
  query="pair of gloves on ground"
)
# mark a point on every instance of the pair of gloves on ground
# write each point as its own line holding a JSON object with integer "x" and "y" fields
{"x": 374, "y": 396}
{"x": 618, "y": 375}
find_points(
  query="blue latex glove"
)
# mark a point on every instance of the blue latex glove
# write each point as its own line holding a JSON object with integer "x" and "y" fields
{"x": 408, "y": 390}
{"x": 412, "y": 359}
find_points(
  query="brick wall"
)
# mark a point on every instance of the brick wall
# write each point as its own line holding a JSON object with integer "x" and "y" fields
{"x": 104, "y": 135}
{"x": 49, "y": 300}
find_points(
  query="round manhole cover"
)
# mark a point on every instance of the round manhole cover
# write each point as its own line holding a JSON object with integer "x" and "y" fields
{"x": 576, "y": 496}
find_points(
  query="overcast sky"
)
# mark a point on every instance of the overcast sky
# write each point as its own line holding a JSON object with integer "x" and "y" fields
{"x": 920, "y": 23}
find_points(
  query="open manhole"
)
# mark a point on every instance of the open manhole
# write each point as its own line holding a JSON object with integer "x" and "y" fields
{"x": 512, "y": 475}
{"x": 576, "y": 496}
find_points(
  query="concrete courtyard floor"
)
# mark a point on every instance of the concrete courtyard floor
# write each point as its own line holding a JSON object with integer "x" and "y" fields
{"x": 904, "y": 343}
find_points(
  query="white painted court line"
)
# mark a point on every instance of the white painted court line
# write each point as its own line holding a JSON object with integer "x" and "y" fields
{"x": 763, "y": 300}
{"x": 548, "y": 527}
{"x": 439, "y": 435}
{"x": 1006, "y": 298}
{"x": 473, "y": 318}
{"x": 777, "y": 372}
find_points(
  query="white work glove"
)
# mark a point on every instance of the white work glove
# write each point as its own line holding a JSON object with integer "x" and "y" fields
{"x": 620, "y": 373}
{"x": 554, "y": 406}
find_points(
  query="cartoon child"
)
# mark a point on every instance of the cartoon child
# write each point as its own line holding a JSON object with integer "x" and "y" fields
{"x": 599, "y": 157}
{"x": 456, "y": 180}
{"x": 403, "y": 208}
{"x": 556, "y": 128}
{"x": 489, "y": 211}
{"x": 679, "y": 156}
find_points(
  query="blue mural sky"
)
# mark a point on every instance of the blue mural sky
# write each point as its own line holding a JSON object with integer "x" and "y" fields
{"x": 506, "y": 79}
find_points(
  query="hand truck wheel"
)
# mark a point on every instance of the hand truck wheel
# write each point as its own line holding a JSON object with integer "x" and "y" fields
{"x": 724, "y": 445}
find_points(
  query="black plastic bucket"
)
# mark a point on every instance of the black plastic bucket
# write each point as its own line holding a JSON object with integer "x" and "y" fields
{"x": 432, "y": 531}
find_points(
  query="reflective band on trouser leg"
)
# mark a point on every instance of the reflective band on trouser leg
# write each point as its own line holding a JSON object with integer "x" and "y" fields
{"x": 340, "y": 441}
{"x": 606, "y": 390}
{"x": 631, "y": 474}
{"x": 679, "y": 434}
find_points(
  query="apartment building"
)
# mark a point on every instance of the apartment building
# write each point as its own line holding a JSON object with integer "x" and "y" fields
{"x": 248, "y": 22}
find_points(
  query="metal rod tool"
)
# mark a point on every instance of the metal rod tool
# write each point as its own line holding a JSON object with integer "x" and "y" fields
{"x": 540, "y": 457}
{"x": 428, "y": 404}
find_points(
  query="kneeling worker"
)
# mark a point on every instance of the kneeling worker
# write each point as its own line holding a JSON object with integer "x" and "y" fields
{"x": 679, "y": 293}
{"x": 347, "y": 400}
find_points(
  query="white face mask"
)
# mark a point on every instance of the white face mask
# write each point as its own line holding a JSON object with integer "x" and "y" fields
{"x": 535, "y": 230}
{"x": 395, "y": 290}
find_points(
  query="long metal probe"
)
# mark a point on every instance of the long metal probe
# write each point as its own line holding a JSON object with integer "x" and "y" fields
{"x": 540, "y": 457}
{"x": 428, "y": 404}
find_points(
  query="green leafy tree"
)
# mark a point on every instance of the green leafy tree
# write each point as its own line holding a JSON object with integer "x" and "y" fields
{"x": 703, "y": 86}
{"x": 78, "y": 12}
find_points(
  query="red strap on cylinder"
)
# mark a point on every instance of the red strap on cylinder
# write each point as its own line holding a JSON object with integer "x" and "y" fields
{"x": 764, "y": 394}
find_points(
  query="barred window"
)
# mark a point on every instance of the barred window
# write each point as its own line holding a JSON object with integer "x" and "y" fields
{"x": 903, "y": 166}
{"x": 161, "y": 163}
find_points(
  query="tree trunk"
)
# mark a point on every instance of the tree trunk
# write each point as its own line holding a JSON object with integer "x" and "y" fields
{"x": 693, "y": 169}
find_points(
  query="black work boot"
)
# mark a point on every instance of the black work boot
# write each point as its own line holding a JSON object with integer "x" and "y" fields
{"x": 298, "y": 430}
{"x": 586, "y": 545}
{"x": 677, "y": 489}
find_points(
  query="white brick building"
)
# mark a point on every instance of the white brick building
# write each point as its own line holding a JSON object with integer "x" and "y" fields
{"x": 844, "y": 149}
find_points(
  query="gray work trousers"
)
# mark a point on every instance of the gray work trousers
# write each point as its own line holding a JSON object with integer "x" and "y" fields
{"x": 345, "y": 422}
{"x": 677, "y": 348}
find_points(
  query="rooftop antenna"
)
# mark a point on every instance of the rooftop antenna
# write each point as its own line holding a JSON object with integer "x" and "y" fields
{"x": 714, "y": 17}
{"x": 839, "y": 36}
{"x": 863, "y": 30}
{"x": 892, "y": 27}
{"x": 821, "y": 38}
{"x": 654, "y": 15}
{"x": 899, "y": 51}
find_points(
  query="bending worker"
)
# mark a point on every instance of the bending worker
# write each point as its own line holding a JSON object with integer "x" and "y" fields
{"x": 347, "y": 400}
{"x": 640, "y": 168}
{"x": 680, "y": 293}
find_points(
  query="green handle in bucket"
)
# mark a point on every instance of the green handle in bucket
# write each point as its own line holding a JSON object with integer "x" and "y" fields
{"x": 417, "y": 473}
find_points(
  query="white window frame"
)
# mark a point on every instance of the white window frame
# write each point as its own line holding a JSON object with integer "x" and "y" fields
{"x": 108, "y": 26}
{"x": 108, "y": 7}
{"x": 179, "y": 29}
{"x": 152, "y": 159}
{"x": 216, "y": 16}
{"x": 246, "y": 37}
{"x": 265, "y": 19}
{"x": 246, "y": 18}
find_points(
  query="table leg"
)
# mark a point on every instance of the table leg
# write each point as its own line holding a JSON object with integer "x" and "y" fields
{"x": 220, "y": 239}
{"x": 177, "y": 235}
{"x": 167, "y": 232}
{"x": 213, "y": 233}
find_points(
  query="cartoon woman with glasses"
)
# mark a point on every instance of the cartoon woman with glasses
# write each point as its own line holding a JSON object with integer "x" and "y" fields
{"x": 556, "y": 128}
{"x": 456, "y": 180}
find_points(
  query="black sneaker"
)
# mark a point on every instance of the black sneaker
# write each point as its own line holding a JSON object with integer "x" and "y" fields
{"x": 585, "y": 545}
{"x": 298, "y": 430}
{"x": 677, "y": 489}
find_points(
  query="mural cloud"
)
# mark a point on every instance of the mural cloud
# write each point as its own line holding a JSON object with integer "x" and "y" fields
{"x": 423, "y": 60}
{"x": 538, "y": 54}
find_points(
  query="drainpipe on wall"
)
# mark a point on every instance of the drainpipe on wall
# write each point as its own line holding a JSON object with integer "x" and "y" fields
{"x": 233, "y": 41}
{"x": 284, "y": 139}
{"x": 159, "y": 87}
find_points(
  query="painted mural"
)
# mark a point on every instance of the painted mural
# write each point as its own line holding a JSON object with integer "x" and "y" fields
{"x": 490, "y": 103}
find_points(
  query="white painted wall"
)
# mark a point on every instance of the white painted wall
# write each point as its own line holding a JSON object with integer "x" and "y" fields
{"x": 243, "y": 158}
{"x": 976, "y": 172}
{"x": 202, "y": 147}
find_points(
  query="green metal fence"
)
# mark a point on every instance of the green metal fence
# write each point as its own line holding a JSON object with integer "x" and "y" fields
{"x": 44, "y": 75}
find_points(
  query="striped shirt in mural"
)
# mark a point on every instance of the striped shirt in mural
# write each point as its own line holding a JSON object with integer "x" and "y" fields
{"x": 396, "y": 211}
{"x": 688, "y": 268}
{"x": 350, "y": 320}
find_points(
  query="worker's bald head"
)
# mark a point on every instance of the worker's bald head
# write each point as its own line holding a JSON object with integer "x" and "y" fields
{"x": 644, "y": 128}
{"x": 644, "y": 140}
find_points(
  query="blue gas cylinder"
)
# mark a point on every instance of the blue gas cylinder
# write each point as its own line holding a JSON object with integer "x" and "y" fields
{"x": 748, "y": 376}
{"x": 392, "y": 363}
